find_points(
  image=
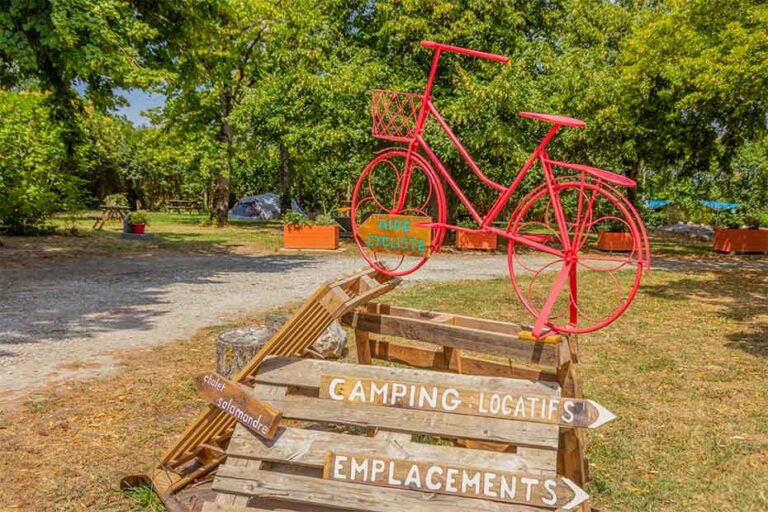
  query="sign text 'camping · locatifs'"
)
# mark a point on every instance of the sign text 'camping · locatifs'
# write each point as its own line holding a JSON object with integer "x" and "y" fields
{"x": 569, "y": 412}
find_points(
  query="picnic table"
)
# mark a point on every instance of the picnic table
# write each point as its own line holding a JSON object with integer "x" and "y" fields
{"x": 183, "y": 205}
{"x": 110, "y": 212}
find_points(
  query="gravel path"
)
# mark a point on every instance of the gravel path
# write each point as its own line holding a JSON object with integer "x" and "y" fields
{"x": 61, "y": 321}
{"x": 64, "y": 320}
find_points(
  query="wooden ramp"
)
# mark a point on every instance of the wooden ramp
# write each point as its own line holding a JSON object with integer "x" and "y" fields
{"x": 291, "y": 472}
{"x": 201, "y": 447}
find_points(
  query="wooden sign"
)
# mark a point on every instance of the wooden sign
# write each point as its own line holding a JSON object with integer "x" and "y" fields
{"x": 235, "y": 400}
{"x": 509, "y": 487}
{"x": 399, "y": 234}
{"x": 568, "y": 412}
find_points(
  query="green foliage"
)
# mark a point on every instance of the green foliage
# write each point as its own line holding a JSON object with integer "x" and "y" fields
{"x": 294, "y": 218}
{"x": 731, "y": 220}
{"x": 116, "y": 200}
{"x": 324, "y": 220}
{"x": 138, "y": 218}
{"x": 613, "y": 226}
{"x": 264, "y": 98}
{"x": 32, "y": 184}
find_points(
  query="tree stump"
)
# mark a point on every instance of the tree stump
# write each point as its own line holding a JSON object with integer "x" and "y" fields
{"x": 329, "y": 345}
{"x": 235, "y": 348}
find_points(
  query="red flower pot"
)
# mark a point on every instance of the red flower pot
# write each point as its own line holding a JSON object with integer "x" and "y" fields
{"x": 311, "y": 237}
{"x": 741, "y": 240}
{"x": 476, "y": 241}
{"x": 614, "y": 241}
{"x": 138, "y": 228}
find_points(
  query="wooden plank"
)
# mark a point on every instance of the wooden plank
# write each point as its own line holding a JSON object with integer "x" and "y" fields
{"x": 495, "y": 402}
{"x": 434, "y": 359}
{"x": 362, "y": 342}
{"x": 456, "y": 319}
{"x": 454, "y": 479}
{"x": 353, "y": 496}
{"x": 477, "y": 340}
{"x": 306, "y": 373}
{"x": 308, "y": 448}
{"x": 236, "y": 400}
{"x": 405, "y": 420}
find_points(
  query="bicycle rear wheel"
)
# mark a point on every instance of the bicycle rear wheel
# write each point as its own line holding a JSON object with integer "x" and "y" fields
{"x": 377, "y": 193}
{"x": 586, "y": 289}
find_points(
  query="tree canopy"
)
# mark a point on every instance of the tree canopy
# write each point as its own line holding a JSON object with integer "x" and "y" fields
{"x": 268, "y": 95}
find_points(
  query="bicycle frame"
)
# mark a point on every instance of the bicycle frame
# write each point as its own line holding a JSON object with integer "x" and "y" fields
{"x": 485, "y": 222}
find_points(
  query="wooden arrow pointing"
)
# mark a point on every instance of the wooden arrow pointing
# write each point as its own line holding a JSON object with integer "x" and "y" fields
{"x": 553, "y": 410}
{"x": 531, "y": 489}
{"x": 236, "y": 400}
{"x": 398, "y": 234}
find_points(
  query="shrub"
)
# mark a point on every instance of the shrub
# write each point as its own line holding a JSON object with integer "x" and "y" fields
{"x": 324, "y": 220}
{"x": 116, "y": 200}
{"x": 294, "y": 218}
{"x": 730, "y": 220}
{"x": 33, "y": 182}
{"x": 138, "y": 218}
{"x": 613, "y": 226}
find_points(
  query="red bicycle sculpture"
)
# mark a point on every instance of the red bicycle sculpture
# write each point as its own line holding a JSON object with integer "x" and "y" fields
{"x": 551, "y": 233}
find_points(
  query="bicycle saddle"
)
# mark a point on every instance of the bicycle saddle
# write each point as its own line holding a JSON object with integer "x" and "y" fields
{"x": 600, "y": 174}
{"x": 550, "y": 118}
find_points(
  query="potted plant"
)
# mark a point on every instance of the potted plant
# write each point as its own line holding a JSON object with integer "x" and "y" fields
{"x": 300, "y": 233}
{"x": 614, "y": 236}
{"x": 741, "y": 233}
{"x": 138, "y": 221}
{"x": 479, "y": 240}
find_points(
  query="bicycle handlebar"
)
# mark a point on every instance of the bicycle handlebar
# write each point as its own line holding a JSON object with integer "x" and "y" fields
{"x": 471, "y": 53}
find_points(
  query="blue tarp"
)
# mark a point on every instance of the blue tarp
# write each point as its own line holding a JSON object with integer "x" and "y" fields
{"x": 719, "y": 205}
{"x": 655, "y": 204}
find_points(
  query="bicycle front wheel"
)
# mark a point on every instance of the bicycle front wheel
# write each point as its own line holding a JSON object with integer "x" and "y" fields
{"x": 394, "y": 186}
{"x": 585, "y": 289}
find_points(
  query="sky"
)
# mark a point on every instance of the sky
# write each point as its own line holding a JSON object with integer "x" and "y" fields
{"x": 139, "y": 101}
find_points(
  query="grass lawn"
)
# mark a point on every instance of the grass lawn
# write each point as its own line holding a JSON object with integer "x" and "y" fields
{"x": 685, "y": 370}
{"x": 191, "y": 233}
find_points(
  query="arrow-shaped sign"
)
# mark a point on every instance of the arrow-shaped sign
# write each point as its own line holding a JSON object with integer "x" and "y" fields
{"x": 398, "y": 234}
{"x": 532, "y": 489}
{"x": 237, "y": 401}
{"x": 550, "y": 409}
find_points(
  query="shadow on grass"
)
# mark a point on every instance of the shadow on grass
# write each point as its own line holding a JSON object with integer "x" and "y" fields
{"x": 739, "y": 294}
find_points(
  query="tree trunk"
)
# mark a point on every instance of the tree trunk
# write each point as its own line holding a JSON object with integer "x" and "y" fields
{"x": 633, "y": 172}
{"x": 220, "y": 199}
{"x": 285, "y": 179}
{"x": 220, "y": 211}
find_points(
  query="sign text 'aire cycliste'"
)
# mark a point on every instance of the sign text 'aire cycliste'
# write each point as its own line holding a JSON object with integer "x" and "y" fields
{"x": 568, "y": 412}
{"x": 398, "y": 234}
{"x": 510, "y": 487}
{"x": 235, "y": 400}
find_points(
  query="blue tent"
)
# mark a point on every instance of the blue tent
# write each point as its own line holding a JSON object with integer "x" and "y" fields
{"x": 720, "y": 206}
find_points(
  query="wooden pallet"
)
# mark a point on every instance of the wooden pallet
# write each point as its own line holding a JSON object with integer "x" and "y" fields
{"x": 463, "y": 344}
{"x": 287, "y": 471}
{"x": 201, "y": 447}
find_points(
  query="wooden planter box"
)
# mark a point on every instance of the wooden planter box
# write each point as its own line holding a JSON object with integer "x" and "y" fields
{"x": 741, "y": 240}
{"x": 475, "y": 241}
{"x": 311, "y": 237}
{"x": 614, "y": 241}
